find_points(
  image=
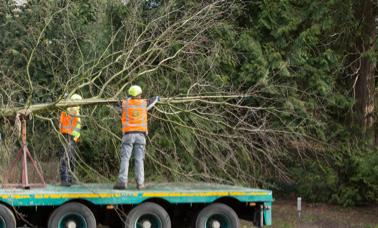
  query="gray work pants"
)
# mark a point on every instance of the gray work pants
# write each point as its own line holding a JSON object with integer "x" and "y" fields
{"x": 132, "y": 142}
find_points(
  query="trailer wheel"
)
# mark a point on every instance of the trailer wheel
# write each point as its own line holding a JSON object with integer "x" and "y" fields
{"x": 217, "y": 215}
{"x": 72, "y": 215}
{"x": 7, "y": 218}
{"x": 148, "y": 215}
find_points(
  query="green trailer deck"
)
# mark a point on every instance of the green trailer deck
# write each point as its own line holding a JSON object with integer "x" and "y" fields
{"x": 171, "y": 193}
{"x": 100, "y": 194}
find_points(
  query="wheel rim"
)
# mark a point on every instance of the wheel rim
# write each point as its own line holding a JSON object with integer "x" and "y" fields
{"x": 218, "y": 221}
{"x": 148, "y": 221}
{"x": 2, "y": 223}
{"x": 72, "y": 221}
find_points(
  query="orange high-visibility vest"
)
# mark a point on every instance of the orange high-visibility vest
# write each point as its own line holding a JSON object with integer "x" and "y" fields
{"x": 134, "y": 115}
{"x": 69, "y": 123}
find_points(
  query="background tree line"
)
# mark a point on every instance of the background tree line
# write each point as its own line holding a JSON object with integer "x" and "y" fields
{"x": 309, "y": 126}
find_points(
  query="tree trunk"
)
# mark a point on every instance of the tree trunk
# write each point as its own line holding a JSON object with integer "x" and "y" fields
{"x": 365, "y": 82}
{"x": 35, "y": 108}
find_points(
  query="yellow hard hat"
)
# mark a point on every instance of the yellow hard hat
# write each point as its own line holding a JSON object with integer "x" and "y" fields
{"x": 76, "y": 97}
{"x": 135, "y": 90}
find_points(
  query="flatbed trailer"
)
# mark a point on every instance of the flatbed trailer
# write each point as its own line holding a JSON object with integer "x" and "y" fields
{"x": 162, "y": 205}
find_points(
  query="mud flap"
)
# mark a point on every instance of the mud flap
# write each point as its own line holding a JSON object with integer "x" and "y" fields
{"x": 268, "y": 213}
{"x": 263, "y": 215}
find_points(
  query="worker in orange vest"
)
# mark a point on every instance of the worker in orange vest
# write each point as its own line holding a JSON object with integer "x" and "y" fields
{"x": 134, "y": 129}
{"x": 70, "y": 125}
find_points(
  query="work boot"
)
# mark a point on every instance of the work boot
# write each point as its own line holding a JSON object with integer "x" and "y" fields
{"x": 140, "y": 186}
{"x": 65, "y": 183}
{"x": 120, "y": 185}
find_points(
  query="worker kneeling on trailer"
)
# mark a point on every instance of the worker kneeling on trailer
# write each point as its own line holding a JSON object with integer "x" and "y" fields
{"x": 134, "y": 129}
{"x": 70, "y": 125}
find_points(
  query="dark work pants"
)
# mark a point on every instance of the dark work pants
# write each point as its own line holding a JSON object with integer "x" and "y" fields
{"x": 67, "y": 159}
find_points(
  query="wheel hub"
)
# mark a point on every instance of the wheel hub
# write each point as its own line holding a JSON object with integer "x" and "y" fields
{"x": 215, "y": 224}
{"x": 146, "y": 224}
{"x": 71, "y": 224}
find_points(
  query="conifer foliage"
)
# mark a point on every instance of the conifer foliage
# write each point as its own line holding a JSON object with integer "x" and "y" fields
{"x": 308, "y": 68}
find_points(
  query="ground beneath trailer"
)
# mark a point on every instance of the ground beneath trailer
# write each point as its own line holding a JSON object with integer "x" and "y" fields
{"x": 321, "y": 216}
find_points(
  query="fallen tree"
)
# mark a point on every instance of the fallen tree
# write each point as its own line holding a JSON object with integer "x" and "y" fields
{"x": 212, "y": 124}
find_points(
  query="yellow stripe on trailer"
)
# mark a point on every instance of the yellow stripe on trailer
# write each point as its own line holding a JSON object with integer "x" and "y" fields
{"x": 201, "y": 194}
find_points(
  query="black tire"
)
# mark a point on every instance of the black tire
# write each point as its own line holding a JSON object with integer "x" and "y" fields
{"x": 76, "y": 212}
{"x": 7, "y": 218}
{"x": 217, "y": 212}
{"x": 154, "y": 213}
